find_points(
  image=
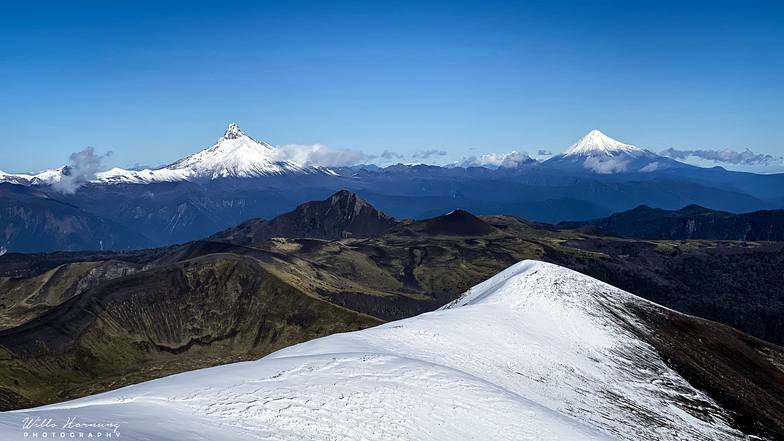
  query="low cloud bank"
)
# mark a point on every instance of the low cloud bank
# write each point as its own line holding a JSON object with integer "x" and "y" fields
{"x": 653, "y": 166}
{"x": 727, "y": 155}
{"x": 428, "y": 153}
{"x": 606, "y": 166}
{"x": 495, "y": 160}
{"x": 389, "y": 156}
{"x": 319, "y": 154}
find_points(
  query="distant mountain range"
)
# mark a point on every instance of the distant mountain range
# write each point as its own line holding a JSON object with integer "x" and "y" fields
{"x": 237, "y": 179}
{"x": 691, "y": 222}
{"x": 31, "y": 222}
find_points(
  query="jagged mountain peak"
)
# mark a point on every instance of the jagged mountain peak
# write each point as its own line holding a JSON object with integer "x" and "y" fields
{"x": 344, "y": 195}
{"x": 347, "y": 199}
{"x": 233, "y": 132}
{"x": 235, "y": 153}
{"x": 342, "y": 215}
{"x": 597, "y": 143}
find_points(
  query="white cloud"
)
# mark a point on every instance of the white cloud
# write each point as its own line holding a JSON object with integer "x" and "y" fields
{"x": 515, "y": 159}
{"x": 391, "y": 155}
{"x": 83, "y": 168}
{"x": 318, "y": 154}
{"x": 606, "y": 166}
{"x": 492, "y": 160}
{"x": 428, "y": 153}
{"x": 727, "y": 155}
{"x": 650, "y": 167}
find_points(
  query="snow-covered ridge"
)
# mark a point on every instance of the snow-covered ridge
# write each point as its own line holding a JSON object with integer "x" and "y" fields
{"x": 45, "y": 177}
{"x": 537, "y": 352}
{"x": 597, "y": 143}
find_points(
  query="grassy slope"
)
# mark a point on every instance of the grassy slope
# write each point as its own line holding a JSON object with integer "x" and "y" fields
{"x": 22, "y": 300}
{"x": 193, "y": 314}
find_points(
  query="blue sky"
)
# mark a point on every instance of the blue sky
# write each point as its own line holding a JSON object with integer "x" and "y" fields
{"x": 153, "y": 82}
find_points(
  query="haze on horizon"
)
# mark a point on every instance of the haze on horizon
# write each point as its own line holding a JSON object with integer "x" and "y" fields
{"x": 432, "y": 82}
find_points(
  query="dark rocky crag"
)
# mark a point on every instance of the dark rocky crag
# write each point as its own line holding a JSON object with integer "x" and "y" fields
{"x": 341, "y": 216}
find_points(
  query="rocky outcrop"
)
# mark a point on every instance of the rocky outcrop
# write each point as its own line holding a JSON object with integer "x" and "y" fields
{"x": 341, "y": 216}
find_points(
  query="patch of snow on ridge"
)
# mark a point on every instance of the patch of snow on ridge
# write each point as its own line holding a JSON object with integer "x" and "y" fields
{"x": 49, "y": 176}
{"x": 537, "y": 352}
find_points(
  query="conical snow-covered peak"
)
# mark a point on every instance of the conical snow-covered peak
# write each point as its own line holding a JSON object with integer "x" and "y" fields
{"x": 233, "y": 132}
{"x": 597, "y": 143}
{"x": 235, "y": 155}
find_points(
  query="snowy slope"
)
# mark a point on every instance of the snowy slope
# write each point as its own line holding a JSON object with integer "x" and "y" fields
{"x": 538, "y": 352}
{"x": 45, "y": 177}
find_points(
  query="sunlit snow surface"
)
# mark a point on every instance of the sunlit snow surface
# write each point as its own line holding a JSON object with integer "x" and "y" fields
{"x": 537, "y": 352}
{"x": 597, "y": 143}
{"x": 235, "y": 155}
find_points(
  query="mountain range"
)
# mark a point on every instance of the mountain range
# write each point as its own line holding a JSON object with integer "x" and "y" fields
{"x": 238, "y": 178}
{"x": 691, "y": 222}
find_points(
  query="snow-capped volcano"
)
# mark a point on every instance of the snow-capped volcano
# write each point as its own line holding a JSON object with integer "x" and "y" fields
{"x": 601, "y": 154}
{"x": 235, "y": 155}
{"x": 597, "y": 143}
{"x": 537, "y": 352}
